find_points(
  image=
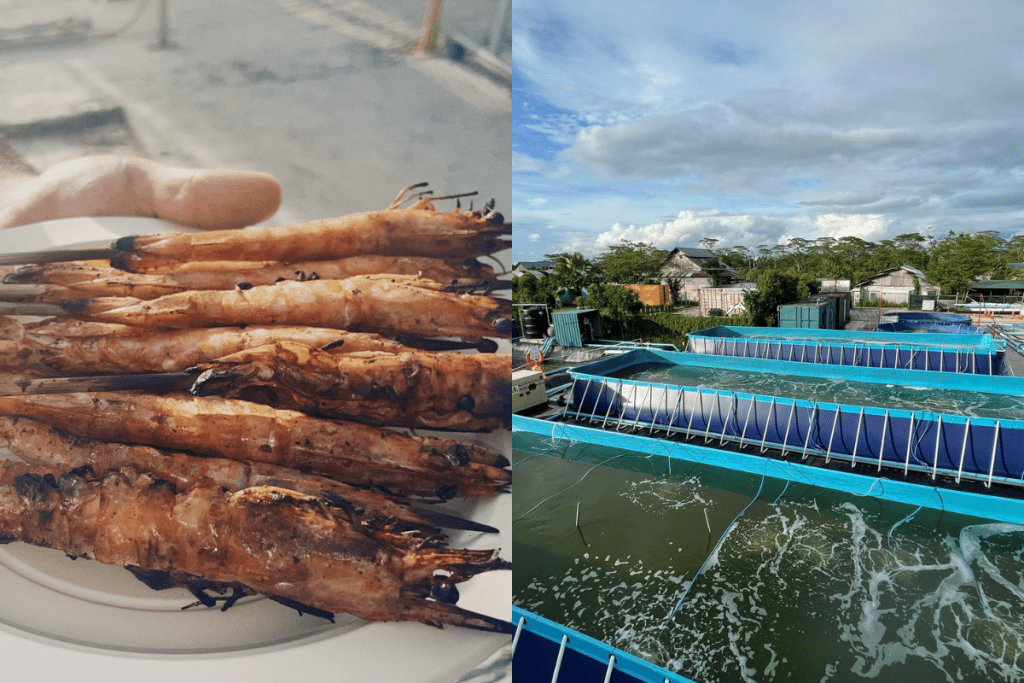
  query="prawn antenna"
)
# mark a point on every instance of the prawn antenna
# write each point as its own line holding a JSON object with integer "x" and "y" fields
{"x": 457, "y": 196}
{"x": 402, "y": 199}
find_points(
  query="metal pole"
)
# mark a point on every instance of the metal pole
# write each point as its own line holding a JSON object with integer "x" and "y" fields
{"x": 431, "y": 27}
{"x": 500, "y": 28}
{"x": 163, "y": 37}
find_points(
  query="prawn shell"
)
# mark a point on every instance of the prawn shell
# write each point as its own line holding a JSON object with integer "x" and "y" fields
{"x": 381, "y": 304}
{"x": 420, "y": 232}
{"x": 466, "y": 392}
{"x": 274, "y": 541}
{"x": 239, "y": 430}
{"x": 72, "y": 347}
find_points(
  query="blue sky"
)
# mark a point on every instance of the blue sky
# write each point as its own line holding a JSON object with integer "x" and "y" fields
{"x": 756, "y": 121}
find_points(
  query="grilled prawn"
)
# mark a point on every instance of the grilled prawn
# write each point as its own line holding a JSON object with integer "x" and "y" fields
{"x": 419, "y": 230}
{"x": 82, "y": 347}
{"x": 465, "y": 392}
{"x": 385, "y": 304}
{"x": 239, "y": 430}
{"x": 56, "y": 282}
{"x": 40, "y": 444}
{"x": 271, "y": 540}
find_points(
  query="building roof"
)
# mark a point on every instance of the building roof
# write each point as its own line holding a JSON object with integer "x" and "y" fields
{"x": 692, "y": 252}
{"x": 910, "y": 269}
{"x": 999, "y": 284}
{"x": 535, "y": 265}
{"x": 697, "y": 257}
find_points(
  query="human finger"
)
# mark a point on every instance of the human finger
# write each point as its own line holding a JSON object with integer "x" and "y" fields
{"x": 129, "y": 186}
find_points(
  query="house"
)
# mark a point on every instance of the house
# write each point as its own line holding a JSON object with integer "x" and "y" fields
{"x": 687, "y": 264}
{"x": 535, "y": 268}
{"x": 894, "y": 286}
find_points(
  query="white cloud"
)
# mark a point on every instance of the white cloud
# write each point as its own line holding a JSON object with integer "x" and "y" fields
{"x": 870, "y": 227}
{"x": 802, "y": 119}
{"x": 534, "y": 237}
{"x": 526, "y": 164}
{"x": 690, "y": 227}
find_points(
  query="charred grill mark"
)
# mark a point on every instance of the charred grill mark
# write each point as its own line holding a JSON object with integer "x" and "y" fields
{"x": 35, "y": 487}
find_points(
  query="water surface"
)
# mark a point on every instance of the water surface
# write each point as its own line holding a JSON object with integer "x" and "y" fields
{"x": 834, "y": 390}
{"x": 802, "y": 584}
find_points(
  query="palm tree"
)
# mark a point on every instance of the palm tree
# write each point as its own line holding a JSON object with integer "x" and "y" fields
{"x": 572, "y": 271}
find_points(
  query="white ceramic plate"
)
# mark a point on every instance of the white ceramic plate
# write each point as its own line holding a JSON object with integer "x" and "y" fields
{"x": 62, "y": 619}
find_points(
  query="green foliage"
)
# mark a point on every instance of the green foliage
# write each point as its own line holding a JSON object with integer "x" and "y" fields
{"x": 529, "y": 289}
{"x": 1005, "y": 272}
{"x": 675, "y": 288}
{"x": 631, "y": 263}
{"x": 774, "y": 288}
{"x": 807, "y": 285}
{"x": 959, "y": 259}
{"x": 619, "y": 306}
{"x": 669, "y": 328}
{"x": 573, "y": 271}
{"x": 715, "y": 270}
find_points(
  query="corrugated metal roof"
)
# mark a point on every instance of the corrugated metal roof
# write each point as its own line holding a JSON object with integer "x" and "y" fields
{"x": 694, "y": 252}
{"x": 910, "y": 269}
{"x": 998, "y": 284}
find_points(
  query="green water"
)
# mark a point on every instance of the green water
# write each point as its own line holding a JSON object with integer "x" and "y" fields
{"x": 809, "y": 585}
{"x": 835, "y": 390}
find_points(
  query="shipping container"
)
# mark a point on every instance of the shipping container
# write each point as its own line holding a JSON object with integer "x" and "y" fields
{"x": 841, "y": 302}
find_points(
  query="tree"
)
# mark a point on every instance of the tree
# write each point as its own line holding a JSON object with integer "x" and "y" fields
{"x": 1015, "y": 248}
{"x": 774, "y": 288}
{"x": 957, "y": 260}
{"x": 740, "y": 258}
{"x": 631, "y": 263}
{"x": 572, "y": 271}
{"x": 529, "y": 289}
{"x": 675, "y": 287}
{"x": 715, "y": 271}
{"x": 619, "y": 308}
{"x": 913, "y": 249}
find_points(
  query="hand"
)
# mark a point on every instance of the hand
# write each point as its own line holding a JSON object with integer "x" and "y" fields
{"x": 128, "y": 186}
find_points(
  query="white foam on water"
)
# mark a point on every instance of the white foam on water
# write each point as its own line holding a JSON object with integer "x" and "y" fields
{"x": 795, "y": 572}
{"x": 813, "y": 588}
